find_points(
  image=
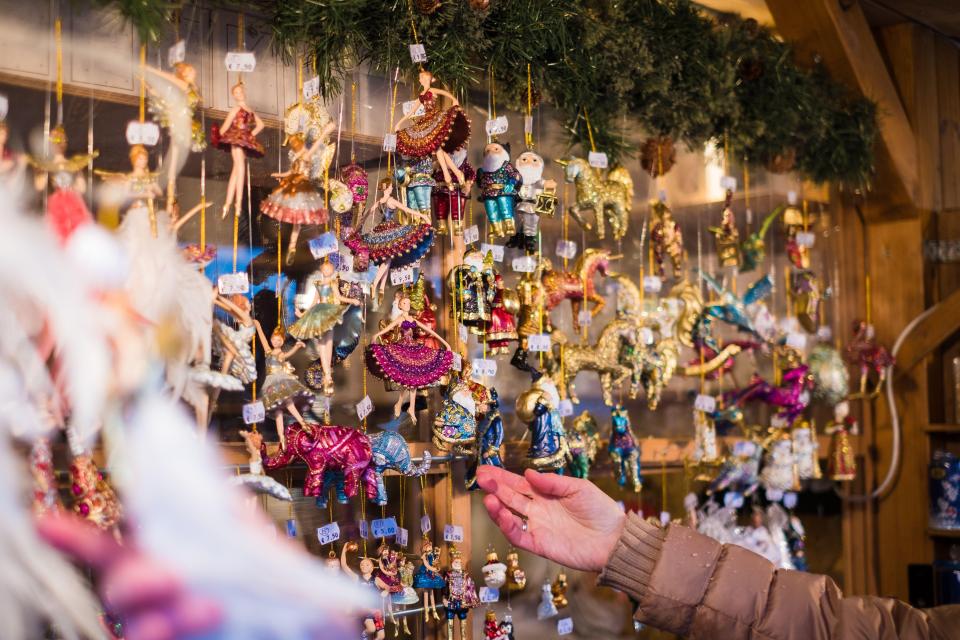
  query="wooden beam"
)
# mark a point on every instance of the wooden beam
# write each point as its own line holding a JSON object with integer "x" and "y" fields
{"x": 942, "y": 322}
{"x": 842, "y": 39}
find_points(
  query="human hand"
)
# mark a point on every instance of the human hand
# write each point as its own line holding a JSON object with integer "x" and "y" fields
{"x": 569, "y": 521}
{"x": 142, "y": 592}
{"x": 253, "y": 440}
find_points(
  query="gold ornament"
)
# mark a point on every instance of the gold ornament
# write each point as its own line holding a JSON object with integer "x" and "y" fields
{"x": 607, "y": 198}
{"x": 559, "y": 590}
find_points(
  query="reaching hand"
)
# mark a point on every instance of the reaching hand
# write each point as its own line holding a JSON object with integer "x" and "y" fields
{"x": 569, "y": 521}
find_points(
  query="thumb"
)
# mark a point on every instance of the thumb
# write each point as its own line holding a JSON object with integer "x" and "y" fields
{"x": 551, "y": 484}
{"x": 79, "y": 539}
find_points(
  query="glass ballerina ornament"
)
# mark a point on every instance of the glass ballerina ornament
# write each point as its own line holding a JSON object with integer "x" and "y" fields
{"x": 372, "y": 619}
{"x": 281, "y": 388}
{"x": 66, "y": 210}
{"x": 438, "y": 132}
{"x": 137, "y": 188}
{"x": 450, "y": 200}
{"x": 407, "y": 363}
{"x": 428, "y": 579}
{"x": 317, "y": 322}
{"x": 237, "y": 135}
{"x": 234, "y": 346}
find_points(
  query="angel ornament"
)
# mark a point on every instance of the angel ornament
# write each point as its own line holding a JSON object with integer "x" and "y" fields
{"x": 238, "y": 136}
{"x": 281, "y": 388}
{"x": 234, "y": 346}
{"x": 408, "y": 363}
{"x": 135, "y": 189}
{"x": 317, "y": 322}
{"x": 438, "y": 131}
{"x": 66, "y": 210}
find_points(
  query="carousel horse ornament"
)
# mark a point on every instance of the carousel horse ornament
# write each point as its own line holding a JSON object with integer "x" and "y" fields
{"x": 667, "y": 240}
{"x": 608, "y": 199}
{"x": 624, "y": 450}
{"x": 863, "y": 351}
{"x": 790, "y": 397}
{"x": 576, "y": 286}
{"x": 654, "y": 367}
{"x": 602, "y": 357}
{"x": 583, "y": 441}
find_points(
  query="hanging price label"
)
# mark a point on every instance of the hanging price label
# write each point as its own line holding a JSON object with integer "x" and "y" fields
{"x": 364, "y": 407}
{"x": 664, "y": 518}
{"x": 824, "y": 333}
{"x": 495, "y": 249}
{"x": 328, "y": 533}
{"x": 425, "y": 526}
{"x": 364, "y": 529}
{"x": 463, "y": 333}
{"x": 497, "y": 126}
{"x": 384, "y": 527}
{"x": 524, "y": 264}
{"x": 790, "y": 499}
{"x": 565, "y": 408}
{"x": 291, "y": 528}
{"x": 344, "y": 262}
{"x": 471, "y": 234}
{"x": 321, "y": 404}
{"x": 311, "y": 87}
{"x": 705, "y": 403}
{"x": 403, "y": 536}
{"x": 253, "y": 412}
{"x": 401, "y": 276}
{"x": 390, "y": 142}
{"x": 778, "y": 422}
{"x": 452, "y": 533}
{"x": 457, "y": 364}
{"x": 662, "y": 195}
{"x": 805, "y": 239}
{"x": 597, "y": 159}
{"x": 230, "y": 283}
{"x": 792, "y": 198}
{"x": 652, "y": 284}
{"x": 414, "y": 107}
{"x": 240, "y": 61}
{"x": 564, "y": 626}
{"x": 539, "y": 342}
{"x": 418, "y": 53}
{"x": 484, "y": 367}
{"x": 585, "y": 318}
{"x": 145, "y": 133}
{"x": 177, "y": 53}
{"x": 774, "y": 495}
{"x": 797, "y": 340}
{"x": 528, "y": 124}
{"x": 488, "y": 595}
{"x": 323, "y": 245}
{"x": 728, "y": 183}
{"x": 566, "y": 248}
{"x": 733, "y": 499}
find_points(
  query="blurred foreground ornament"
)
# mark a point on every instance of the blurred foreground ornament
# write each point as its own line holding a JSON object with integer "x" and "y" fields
{"x": 842, "y": 461}
{"x": 831, "y": 381}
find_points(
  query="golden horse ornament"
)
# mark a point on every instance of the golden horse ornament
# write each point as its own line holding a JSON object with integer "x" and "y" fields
{"x": 602, "y": 358}
{"x": 609, "y": 198}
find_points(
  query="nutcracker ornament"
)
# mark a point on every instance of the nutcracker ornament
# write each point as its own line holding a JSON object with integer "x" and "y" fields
{"x": 450, "y": 199}
{"x": 624, "y": 451}
{"x": 237, "y": 135}
{"x": 667, "y": 240}
{"x": 460, "y": 595}
{"x": 537, "y": 197}
{"x": 727, "y": 236}
{"x": 583, "y": 441}
{"x": 842, "y": 462}
{"x": 538, "y": 407}
{"x": 427, "y": 578}
{"x": 499, "y": 183}
{"x": 532, "y": 317}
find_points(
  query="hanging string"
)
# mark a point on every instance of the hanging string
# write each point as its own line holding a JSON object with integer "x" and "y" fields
{"x": 330, "y": 503}
{"x": 663, "y": 483}
{"x": 363, "y": 516}
{"x": 413, "y": 26}
{"x": 236, "y": 234}
{"x": 203, "y": 203}
{"x": 586, "y": 117}
{"x": 866, "y": 286}
{"x": 241, "y": 43}
{"x": 746, "y": 194}
{"x": 393, "y": 111}
{"x": 279, "y": 272}
{"x": 58, "y": 39}
{"x": 143, "y": 82}
{"x": 353, "y": 121}
{"x": 528, "y": 135}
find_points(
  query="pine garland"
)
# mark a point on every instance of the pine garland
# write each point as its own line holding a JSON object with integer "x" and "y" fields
{"x": 662, "y": 65}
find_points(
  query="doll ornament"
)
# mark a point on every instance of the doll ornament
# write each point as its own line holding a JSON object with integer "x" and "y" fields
{"x": 842, "y": 461}
{"x": 460, "y": 595}
{"x": 407, "y": 363}
{"x": 427, "y": 578}
{"x": 499, "y": 183}
{"x": 372, "y": 620}
{"x": 66, "y": 210}
{"x": 667, "y": 240}
{"x": 387, "y": 579}
{"x": 438, "y": 132}
{"x": 450, "y": 199}
{"x": 281, "y": 388}
{"x": 536, "y": 196}
{"x": 624, "y": 451}
{"x": 238, "y": 136}
{"x": 138, "y": 188}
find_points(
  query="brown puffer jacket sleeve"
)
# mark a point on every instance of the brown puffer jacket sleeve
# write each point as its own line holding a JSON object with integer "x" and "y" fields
{"x": 691, "y": 585}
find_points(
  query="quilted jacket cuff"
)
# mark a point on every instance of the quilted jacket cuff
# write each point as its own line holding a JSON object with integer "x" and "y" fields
{"x": 631, "y": 563}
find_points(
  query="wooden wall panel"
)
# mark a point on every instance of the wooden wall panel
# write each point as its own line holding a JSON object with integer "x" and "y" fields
{"x": 19, "y": 52}
{"x": 103, "y": 51}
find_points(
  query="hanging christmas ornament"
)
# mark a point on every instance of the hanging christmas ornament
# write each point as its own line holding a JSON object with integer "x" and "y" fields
{"x": 559, "y": 590}
{"x": 255, "y": 479}
{"x": 806, "y": 451}
{"x": 137, "y": 188}
{"x": 471, "y": 290}
{"x": 658, "y": 155}
{"x": 532, "y": 317}
{"x": 546, "y": 608}
{"x": 610, "y": 199}
{"x": 372, "y": 619}
{"x": 624, "y": 450}
{"x": 427, "y": 578}
{"x": 499, "y": 184}
{"x": 779, "y": 471}
{"x": 501, "y": 329}
{"x": 494, "y": 571}
{"x": 666, "y": 240}
{"x": 583, "y": 441}
{"x": 460, "y": 595}
{"x": 727, "y": 236}
{"x": 66, "y": 209}
{"x": 282, "y": 390}
{"x": 456, "y": 424}
{"x": 450, "y": 199}
{"x": 415, "y": 181}
{"x": 831, "y": 380}
{"x": 753, "y": 250}
{"x": 387, "y": 579}
{"x": 538, "y": 407}
{"x": 489, "y": 439}
{"x": 93, "y": 498}
{"x": 842, "y": 461}
{"x": 516, "y": 577}
{"x": 537, "y": 197}
{"x": 869, "y": 356}
{"x": 238, "y": 131}
{"x": 607, "y": 357}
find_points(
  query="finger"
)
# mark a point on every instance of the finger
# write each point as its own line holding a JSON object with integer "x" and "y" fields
{"x": 196, "y": 616}
{"x": 510, "y": 524}
{"x": 154, "y": 624}
{"x": 515, "y": 501}
{"x": 551, "y": 484}
{"x": 136, "y": 583}
{"x": 489, "y": 476}
{"x": 80, "y": 540}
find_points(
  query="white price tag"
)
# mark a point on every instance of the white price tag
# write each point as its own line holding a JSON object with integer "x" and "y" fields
{"x": 652, "y": 284}
{"x": 488, "y": 595}
{"x": 797, "y": 340}
{"x": 495, "y": 249}
{"x": 565, "y": 408}
{"x": 585, "y": 318}
{"x": 597, "y": 159}
{"x": 646, "y": 335}
{"x": 824, "y": 333}
{"x": 774, "y": 495}
{"x": 413, "y": 107}
{"x": 497, "y": 126}
{"x": 401, "y": 276}
{"x": 664, "y": 518}
{"x": 328, "y": 533}
{"x": 471, "y": 234}
{"x": 705, "y": 403}
{"x": 728, "y": 183}
{"x": 324, "y": 245}
{"x": 425, "y": 525}
{"x": 566, "y": 248}
{"x": 539, "y": 342}
{"x": 525, "y": 264}
{"x": 484, "y": 367}
{"x": 364, "y": 529}
{"x": 452, "y": 533}
{"x": 230, "y": 283}
{"x": 528, "y": 124}
{"x": 345, "y": 262}
{"x": 364, "y": 407}
{"x": 384, "y": 527}
{"x": 146, "y": 133}
{"x": 792, "y": 198}
{"x": 463, "y": 333}
{"x": 311, "y": 87}
{"x": 403, "y": 536}
{"x": 564, "y": 626}
{"x": 790, "y": 499}
{"x": 240, "y": 61}
{"x": 805, "y": 239}
{"x": 418, "y": 53}
{"x": 321, "y": 404}
{"x": 457, "y": 364}
{"x": 254, "y": 412}
{"x": 390, "y": 142}
{"x": 177, "y": 53}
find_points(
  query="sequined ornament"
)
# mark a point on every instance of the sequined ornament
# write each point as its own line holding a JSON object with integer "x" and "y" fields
{"x": 610, "y": 198}
{"x": 727, "y": 236}
{"x": 559, "y": 590}
{"x": 516, "y": 577}
{"x": 842, "y": 460}
{"x": 869, "y": 356}
{"x": 667, "y": 240}
{"x": 45, "y": 497}
{"x": 583, "y": 442}
{"x": 539, "y": 408}
{"x": 624, "y": 451}
{"x": 460, "y": 595}
{"x": 93, "y": 498}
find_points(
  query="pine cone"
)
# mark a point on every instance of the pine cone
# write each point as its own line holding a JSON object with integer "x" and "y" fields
{"x": 426, "y": 7}
{"x": 783, "y": 162}
{"x": 479, "y": 5}
{"x": 658, "y": 155}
